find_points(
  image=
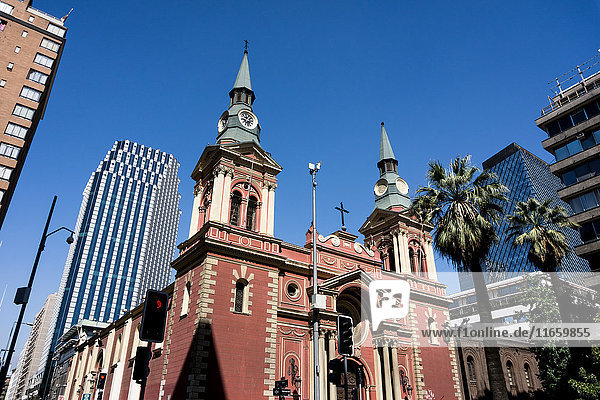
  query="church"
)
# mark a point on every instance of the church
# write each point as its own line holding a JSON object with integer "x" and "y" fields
{"x": 240, "y": 313}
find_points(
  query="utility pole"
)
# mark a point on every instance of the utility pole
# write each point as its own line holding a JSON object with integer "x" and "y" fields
{"x": 318, "y": 301}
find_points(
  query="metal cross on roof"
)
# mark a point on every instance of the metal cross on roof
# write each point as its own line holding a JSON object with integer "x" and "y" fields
{"x": 342, "y": 211}
{"x": 245, "y": 46}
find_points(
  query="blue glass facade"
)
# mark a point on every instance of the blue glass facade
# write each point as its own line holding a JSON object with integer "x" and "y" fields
{"x": 526, "y": 176}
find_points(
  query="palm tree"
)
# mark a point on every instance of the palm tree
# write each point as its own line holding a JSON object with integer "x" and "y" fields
{"x": 463, "y": 207}
{"x": 535, "y": 224}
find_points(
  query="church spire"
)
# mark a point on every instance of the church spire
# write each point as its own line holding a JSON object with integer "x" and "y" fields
{"x": 391, "y": 191}
{"x": 239, "y": 123}
{"x": 385, "y": 148}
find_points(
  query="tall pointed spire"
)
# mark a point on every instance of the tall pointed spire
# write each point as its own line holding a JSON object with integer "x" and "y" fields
{"x": 385, "y": 148}
{"x": 243, "y": 77}
{"x": 391, "y": 191}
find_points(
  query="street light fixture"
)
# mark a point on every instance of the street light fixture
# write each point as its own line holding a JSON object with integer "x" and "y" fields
{"x": 23, "y": 293}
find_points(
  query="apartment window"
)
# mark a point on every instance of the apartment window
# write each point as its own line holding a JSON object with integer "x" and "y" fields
{"x": 16, "y": 130}
{"x": 2, "y": 25}
{"x": 576, "y": 146}
{"x": 590, "y": 231}
{"x": 8, "y": 150}
{"x": 2, "y": 82}
{"x": 17, "y": 49}
{"x": 1, "y": 195}
{"x": 23, "y": 112}
{"x": 5, "y": 172}
{"x": 581, "y": 172}
{"x": 58, "y": 31}
{"x": 50, "y": 45}
{"x": 6, "y": 8}
{"x": 37, "y": 76}
{"x": 585, "y": 201}
{"x": 576, "y": 117}
{"x": 43, "y": 60}
{"x": 24, "y": 34}
{"x": 31, "y": 93}
{"x": 31, "y": 18}
{"x": 10, "y": 66}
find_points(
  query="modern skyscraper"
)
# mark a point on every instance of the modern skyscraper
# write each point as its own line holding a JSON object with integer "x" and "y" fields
{"x": 525, "y": 176}
{"x": 32, "y": 352}
{"x": 125, "y": 238}
{"x": 572, "y": 122}
{"x": 31, "y": 45}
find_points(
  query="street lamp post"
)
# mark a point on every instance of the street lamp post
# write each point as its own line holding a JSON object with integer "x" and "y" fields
{"x": 318, "y": 301}
{"x": 25, "y": 292}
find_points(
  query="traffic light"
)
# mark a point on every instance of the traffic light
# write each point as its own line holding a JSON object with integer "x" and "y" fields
{"x": 336, "y": 368}
{"x": 140, "y": 366}
{"x": 155, "y": 317}
{"x": 101, "y": 380}
{"x": 345, "y": 329}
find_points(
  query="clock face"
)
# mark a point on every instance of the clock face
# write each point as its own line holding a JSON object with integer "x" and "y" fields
{"x": 248, "y": 119}
{"x": 380, "y": 187}
{"x": 223, "y": 122}
{"x": 402, "y": 185}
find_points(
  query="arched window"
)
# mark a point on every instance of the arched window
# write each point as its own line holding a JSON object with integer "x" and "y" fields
{"x": 471, "y": 369}
{"x": 241, "y": 303}
{"x": 411, "y": 257}
{"x": 251, "y": 213}
{"x": 509, "y": 374}
{"x": 527, "y": 370}
{"x": 185, "y": 302}
{"x": 236, "y": 203}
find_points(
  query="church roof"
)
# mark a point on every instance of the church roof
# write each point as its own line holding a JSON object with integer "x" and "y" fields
{"x": 385, "y": 148}
{"x": 243, "y": 77}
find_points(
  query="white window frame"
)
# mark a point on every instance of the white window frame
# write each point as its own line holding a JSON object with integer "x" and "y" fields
{"x": 57, "y": 30}
{"x": 43, "y": 60}
{"x": 8, "y": 150}
{"x": 16, "y": 130}
{"x": 23, "y": 112}
{"x": 5, "y": 172}
{"x": 31, "y": 94}
{"x": 50, "y": 45}
{"x": 6, "y": 8}
{"x": 43, "y": 75}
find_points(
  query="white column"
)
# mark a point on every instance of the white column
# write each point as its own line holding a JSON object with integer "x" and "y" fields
{"x": 378, "y": 376}
{"x": 264, "y": 208}
{"x": 396, "y": 251}
{"x": 431, "y": 271}
{"x": 404, "y": 252}
{"x": 322, "y": 366}
{"x": 332, "y": 387}
{"x": 271, "y": 215}
{"x": 217, "y": 195}
{"x": 226, "y": 197}
{"x": 396, "y": 375}
{"x": 386, "y": 373}
{"x": 195, "y": 213}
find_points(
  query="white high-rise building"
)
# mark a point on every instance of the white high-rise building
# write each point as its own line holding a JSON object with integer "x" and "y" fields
{"x": 125, "y": 238}
{"x": 32, "y": 352}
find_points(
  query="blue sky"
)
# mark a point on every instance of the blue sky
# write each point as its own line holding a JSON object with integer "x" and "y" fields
{"x": 448, "y": 79}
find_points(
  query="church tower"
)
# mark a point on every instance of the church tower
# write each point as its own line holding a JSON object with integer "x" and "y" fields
{"x": 236, "y": 178}
{"x": 404, "y": 244}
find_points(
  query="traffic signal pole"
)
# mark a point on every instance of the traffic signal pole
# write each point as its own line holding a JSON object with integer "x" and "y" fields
{"x": 346, "y": 376}
{"x": 315, "y": 309}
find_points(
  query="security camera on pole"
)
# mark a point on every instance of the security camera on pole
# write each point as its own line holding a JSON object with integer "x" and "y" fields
{"x": 318, "y": 300}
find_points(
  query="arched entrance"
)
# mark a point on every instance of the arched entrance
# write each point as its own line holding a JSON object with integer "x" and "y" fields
{"x": 357, "y": 381}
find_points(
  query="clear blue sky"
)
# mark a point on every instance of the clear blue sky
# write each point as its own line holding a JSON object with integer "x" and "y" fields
{"x": 448, "y": 79}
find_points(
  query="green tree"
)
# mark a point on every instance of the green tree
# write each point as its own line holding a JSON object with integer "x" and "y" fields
{"x": 463, "y": 205}
{"x": 537, "y": 225}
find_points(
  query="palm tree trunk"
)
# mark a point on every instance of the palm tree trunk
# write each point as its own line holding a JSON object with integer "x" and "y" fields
{"x": 491, "y": 351}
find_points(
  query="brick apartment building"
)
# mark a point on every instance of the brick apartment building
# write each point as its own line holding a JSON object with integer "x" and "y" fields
{"x": 31, "y": 45}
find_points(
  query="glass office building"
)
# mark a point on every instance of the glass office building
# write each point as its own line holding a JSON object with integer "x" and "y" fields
{"x": 125, "y": 238}
{"x": 526, "y": 176}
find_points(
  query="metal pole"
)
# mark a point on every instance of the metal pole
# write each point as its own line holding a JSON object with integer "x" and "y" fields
{"x": 147, "y": 361}
{"x": 315, "y": 286}
{"x": 6, "y": 366}
{"x": 346, "y": 377}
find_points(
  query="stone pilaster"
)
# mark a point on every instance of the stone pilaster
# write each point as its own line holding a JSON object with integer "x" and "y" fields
{"x": 195, "y": 212}
{"x": 271, "y": 335}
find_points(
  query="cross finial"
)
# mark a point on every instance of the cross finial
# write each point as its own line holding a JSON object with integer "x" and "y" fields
{"x": 342, "y": 211}
{"x": 245, "y": 47}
